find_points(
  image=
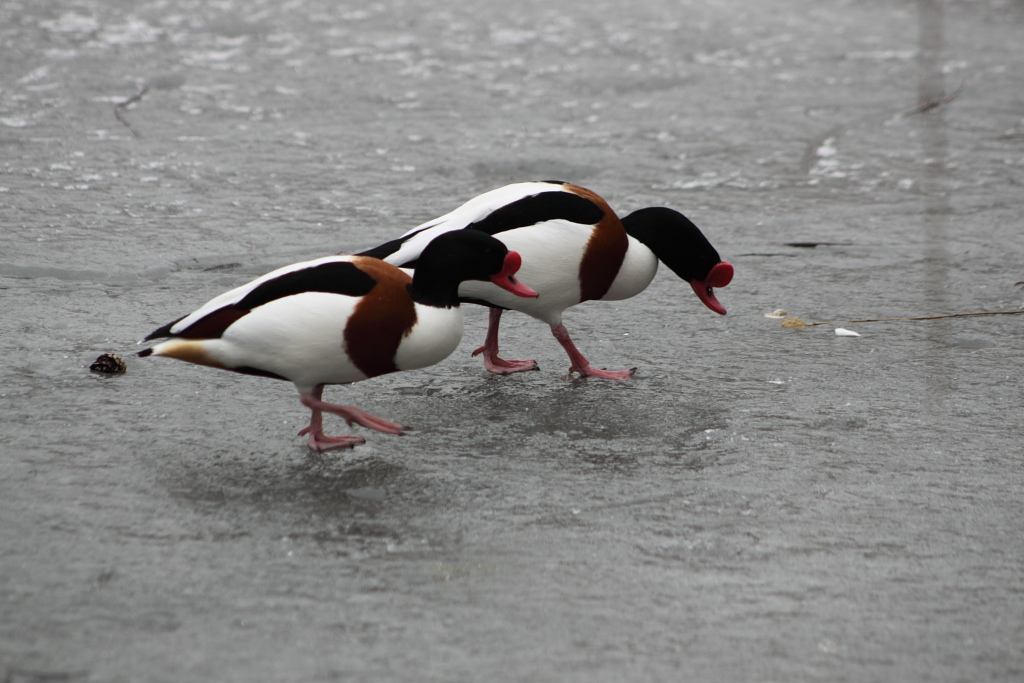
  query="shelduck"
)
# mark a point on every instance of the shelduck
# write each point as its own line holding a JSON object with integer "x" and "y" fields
{"x": 574, "y": 249}
{"x": 342, "y": 319}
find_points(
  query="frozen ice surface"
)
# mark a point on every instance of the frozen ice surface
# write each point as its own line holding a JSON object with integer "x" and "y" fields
{"x": 754, "y": 505}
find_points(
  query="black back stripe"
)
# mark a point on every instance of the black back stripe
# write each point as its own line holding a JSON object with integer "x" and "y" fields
{"x": 538, "y": 208}
{"x": 333, "y": 277}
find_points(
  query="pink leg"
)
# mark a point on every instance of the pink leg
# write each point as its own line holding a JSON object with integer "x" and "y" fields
{"x": 494, "y": 364}
{"x": 581, "y": 364}
{"x": 318, "y": 441}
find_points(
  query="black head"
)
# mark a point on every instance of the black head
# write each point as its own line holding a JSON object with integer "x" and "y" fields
{"x": 681, "y": 246}
{"x": 454, "y": 257}
{"x": 674, "y": 239}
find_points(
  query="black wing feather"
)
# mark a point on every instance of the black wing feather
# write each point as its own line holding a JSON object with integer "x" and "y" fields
{"x": 164, "y": 331}
{"x": 333, "y": 277}
{"x": 546, "y": 206}
{"x": 382, "y": 251}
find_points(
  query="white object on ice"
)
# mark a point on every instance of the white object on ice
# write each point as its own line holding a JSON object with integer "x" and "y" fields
{"x": 843, "y": 332}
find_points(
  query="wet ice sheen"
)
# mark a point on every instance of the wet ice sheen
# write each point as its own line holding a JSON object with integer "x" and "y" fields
{"x": 759, "y": 503}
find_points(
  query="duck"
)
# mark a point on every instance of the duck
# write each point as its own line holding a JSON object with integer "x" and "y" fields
{"x": 574, "y": 249}
{"x": 342, "y": 319}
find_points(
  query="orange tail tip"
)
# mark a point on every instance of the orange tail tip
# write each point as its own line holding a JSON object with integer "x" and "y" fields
{"x": 188, "y": 350}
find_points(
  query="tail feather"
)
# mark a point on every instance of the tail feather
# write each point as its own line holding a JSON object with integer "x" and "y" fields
{"x": 189, "y": 350}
